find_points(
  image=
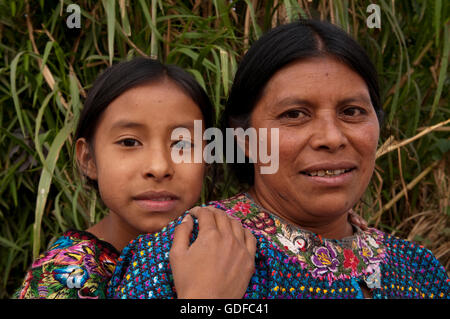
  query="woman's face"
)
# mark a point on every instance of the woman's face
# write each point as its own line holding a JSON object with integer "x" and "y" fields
{"x": 132, "y": 163}
{"x": 328, "y": 135}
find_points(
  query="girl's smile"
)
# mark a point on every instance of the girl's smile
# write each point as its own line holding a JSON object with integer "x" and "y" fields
{"x": 157, "y": 201}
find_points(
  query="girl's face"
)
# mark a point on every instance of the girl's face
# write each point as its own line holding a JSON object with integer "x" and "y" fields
{"x": 137, "y": 179}
{"x": 328, "y": 135}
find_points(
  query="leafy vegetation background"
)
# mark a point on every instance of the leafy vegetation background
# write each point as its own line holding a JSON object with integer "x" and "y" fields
{"x": 46, "y": 69}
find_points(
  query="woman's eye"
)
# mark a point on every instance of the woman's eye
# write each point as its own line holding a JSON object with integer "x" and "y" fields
{"x": 293, "y": 114}
{"x": 354, "y": 111}
{"x": 182, "y": 144}
{"x": 129, "y": 142}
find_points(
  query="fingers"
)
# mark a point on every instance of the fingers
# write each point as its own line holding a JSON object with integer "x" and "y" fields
{"x": 182, "y": 234}
{"x": 250, "y": 242}
{"x": 228, "y": 226}
{"x": 206, "y": 219}
{"x": 214, "y": 218}
{"x": 238, "y": 230}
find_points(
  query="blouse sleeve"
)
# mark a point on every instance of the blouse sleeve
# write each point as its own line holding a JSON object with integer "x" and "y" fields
{"x": 72, "y": 268}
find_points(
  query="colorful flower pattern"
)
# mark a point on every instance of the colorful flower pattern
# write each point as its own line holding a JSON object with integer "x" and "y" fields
{"x": 292, "y": 263}
{"x": 357, "y": 256}
{"x": 324, "y": 259}
{"x": 77, "y": 265}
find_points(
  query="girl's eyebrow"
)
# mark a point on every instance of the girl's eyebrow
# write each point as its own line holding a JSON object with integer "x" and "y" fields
{"x": 121, "y": 124}
{"x": 126, "y": 124}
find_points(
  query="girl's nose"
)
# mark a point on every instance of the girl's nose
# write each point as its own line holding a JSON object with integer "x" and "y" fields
{"x": 158, "y": 165}
{"x": 328, "y": 134}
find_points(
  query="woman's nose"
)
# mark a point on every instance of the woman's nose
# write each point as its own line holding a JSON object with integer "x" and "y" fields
{"x": 158, "y": 165}
{"x": 328, "y": 134}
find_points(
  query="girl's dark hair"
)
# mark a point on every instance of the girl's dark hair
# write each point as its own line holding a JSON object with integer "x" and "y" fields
{"x": 279, "y": 47}
{"x": 126, "y": 75}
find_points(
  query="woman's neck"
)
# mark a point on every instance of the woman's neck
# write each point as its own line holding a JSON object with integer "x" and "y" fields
{"x": 337, "y": 227}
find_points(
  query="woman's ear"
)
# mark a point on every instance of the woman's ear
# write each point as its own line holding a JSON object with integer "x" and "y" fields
{"x": 85, "y": 158}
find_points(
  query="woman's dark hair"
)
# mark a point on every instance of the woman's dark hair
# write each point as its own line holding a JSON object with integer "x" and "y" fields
{"x": 276, "y": 49}
{"x": 126, "y": 75}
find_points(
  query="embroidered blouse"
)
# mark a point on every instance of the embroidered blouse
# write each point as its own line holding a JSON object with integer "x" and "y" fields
{"x": 77, "y": 265}
{"x": 293, "y": 263}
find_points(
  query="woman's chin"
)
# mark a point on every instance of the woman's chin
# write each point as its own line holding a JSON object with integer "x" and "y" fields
{"x": 332, "y": 207}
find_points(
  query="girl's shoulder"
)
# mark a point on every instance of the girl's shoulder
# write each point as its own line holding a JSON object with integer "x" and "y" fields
{"x": 77, "y": 265}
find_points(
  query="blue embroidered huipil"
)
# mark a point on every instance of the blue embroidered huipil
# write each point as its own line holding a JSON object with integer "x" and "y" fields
{"x": 293, "y": 263}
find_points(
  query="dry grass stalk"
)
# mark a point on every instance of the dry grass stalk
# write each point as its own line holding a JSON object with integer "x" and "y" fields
{"x": 410, "y": 186}
{"x": 48, "y": 76}
{"x": 389, "y": 147}
{"x": 401, "y": 177}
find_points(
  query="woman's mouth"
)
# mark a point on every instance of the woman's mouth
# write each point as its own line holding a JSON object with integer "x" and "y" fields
{"x": 330, "y": 174}
{"x": 327, "y": 172}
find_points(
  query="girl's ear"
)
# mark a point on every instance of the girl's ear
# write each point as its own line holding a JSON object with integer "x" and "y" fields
{"x": 85, "y": 158}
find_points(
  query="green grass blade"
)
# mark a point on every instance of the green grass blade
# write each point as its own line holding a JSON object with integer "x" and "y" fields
{"x": 45, "y": 182}
{"x": 8, "y": 243}
{"x": 14, "y": 93}
{"x": 110, "y": 9}
{"x": 443, "y": 71}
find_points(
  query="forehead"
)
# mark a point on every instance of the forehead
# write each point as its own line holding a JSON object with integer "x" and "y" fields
{"x": 318, "y": 77}
{"x": 160, "y": 105}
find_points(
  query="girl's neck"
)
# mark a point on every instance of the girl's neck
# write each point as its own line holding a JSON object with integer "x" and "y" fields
{"x": 110, "y": 230}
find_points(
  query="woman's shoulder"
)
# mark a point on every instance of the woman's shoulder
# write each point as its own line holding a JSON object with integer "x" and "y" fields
{"x": 239, "y": 205}
{"x": 76, "y": 265}
{"x": 410, "y": 261}
{"x": 405, "y": 250}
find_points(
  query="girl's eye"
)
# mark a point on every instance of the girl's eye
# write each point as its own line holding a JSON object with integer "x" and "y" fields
{"x": 182, "y": 144}
{"x": 129, "y": 142}
{"x": 354, "y": 111}
{"x": 293, "y": 114}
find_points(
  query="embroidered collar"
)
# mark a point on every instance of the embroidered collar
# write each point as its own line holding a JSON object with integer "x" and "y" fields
{"x": 356, "y": 256}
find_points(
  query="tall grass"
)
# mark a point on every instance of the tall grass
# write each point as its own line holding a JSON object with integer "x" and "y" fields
{"x": 46, "y": 69}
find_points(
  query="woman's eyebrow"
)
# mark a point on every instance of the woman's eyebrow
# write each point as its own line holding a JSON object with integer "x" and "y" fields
{"x": 356, "y": 98}
{"x": 292, "y": 101}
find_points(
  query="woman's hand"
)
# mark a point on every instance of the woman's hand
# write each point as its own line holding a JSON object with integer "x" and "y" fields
{"x": 220, "y": 262}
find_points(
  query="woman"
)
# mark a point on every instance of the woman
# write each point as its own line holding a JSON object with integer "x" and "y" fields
{"x": 315, "y": 85}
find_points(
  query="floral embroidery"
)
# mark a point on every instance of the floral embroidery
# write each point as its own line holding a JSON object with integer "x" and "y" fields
{"x": 325, "y": 259}
{"x": 350, "y": 260}
{"x": 244, "y": 208}
{"x": 357, "y": 256}
{"x": 77, "y": 265}
{"x": 285, "y": 262}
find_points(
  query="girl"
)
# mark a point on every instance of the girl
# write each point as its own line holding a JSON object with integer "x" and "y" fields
{"x": 123, "y": 148}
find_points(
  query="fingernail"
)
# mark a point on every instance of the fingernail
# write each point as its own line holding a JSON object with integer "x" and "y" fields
{"x": 185, "y": 219}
